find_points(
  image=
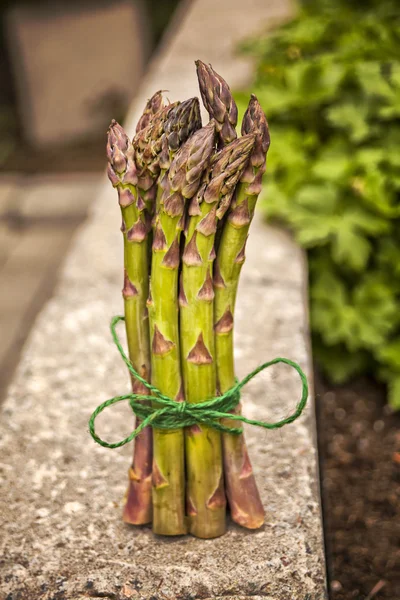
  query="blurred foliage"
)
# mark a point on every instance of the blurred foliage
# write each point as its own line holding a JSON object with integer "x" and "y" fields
{"x": 329, "y": 82}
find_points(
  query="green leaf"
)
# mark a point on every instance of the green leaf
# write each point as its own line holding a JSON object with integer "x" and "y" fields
{"x": 321, "y": 198}
{"x": 366, "y": 221}
{"x": 376, "y": 313}
{"x": 390, "y": 354}
{"x": 350, "y": 248}
{"x": 350, "y": 117}
{"x": 305, "y": 32}
{"x": 372, "y": 81}
{"x": 287, "y": 152}
{"x": 276, "y": 99}
{"x": 332, "y": 166}
{"x": 362, "y": 319}
{"x": 388, "y": 257}
{"x": 392, "y": 154}
{"x": 369, "y": 157}
{"x": 377, "y": 193}
{"x": 395, "y": 74}
{"x": 394, "y": 392}
{"x": 274, "y": 202}
{"x": 329, "y": 307}
{"x": 311, "y": 231}
{"x": 337, "y": 362}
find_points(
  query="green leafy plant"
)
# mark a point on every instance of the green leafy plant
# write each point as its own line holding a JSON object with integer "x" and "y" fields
{"x": 329, "y": 82}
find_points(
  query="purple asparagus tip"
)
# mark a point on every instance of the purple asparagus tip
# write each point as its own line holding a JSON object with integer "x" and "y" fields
{"x": 153, "y": 105}
{"x": 254, "y": 121}
{"x": 218, "y": 101}
{"x": 121, "y": 165}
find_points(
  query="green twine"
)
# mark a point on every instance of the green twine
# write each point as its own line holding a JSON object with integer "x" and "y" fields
{"x": 169, "y": 414}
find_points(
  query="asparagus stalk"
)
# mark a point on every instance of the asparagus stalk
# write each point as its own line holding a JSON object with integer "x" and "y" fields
{"x": 137, "y": 189}
{"x": 218, "y": 101}
{"x": 136, "y": 195}
{"x": 123, "y": 176}
{"x": 241, "y": 489}
{"x": 181, "y": 183}
{"x": 137, "y": 205}
{"x": 205, "y": 486}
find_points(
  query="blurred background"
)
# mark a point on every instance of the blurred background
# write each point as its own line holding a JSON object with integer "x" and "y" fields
{"x": 66, "y": 68}
{"x": 329, "y": 82}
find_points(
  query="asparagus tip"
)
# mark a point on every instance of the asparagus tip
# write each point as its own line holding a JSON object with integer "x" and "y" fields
{"x": 153, "y": 105}
{"x": 254, "y": 121}
{"x": 191, "y": 160}
{"x": 218, "y": 101}
{"x": 183, "y": 120}
{"x": 121, "y": 166}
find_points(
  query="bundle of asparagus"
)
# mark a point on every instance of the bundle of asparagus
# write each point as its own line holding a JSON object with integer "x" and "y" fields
{"x": 179, "y": 296}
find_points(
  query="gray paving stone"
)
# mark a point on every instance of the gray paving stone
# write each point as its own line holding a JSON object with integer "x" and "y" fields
{"x": 27, "y": 273}
{"x": 61, "y": 501}
{"x": 55, "y": 197}
{"x": 62, "y": 494}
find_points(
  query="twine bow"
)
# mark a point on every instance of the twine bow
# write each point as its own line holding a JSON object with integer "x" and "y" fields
{"x": 167, "y": 413}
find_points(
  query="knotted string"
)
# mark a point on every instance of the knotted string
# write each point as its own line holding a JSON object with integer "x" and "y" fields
{"x": 170, "y": 414}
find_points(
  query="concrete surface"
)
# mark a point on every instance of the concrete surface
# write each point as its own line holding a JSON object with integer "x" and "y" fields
{"x": 63, "y": 537}
{"x": 38, "y": 217}
{"x": 73, "y": 62}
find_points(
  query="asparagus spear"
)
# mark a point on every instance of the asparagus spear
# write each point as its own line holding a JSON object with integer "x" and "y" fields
{"x": 181, "y": 183}
{"x": 136, "y": 196}
{"x": 184, "y": 120}
{"x": 147, "y": 144}
{"x": 241, "y": 489}
{"x": 205, "y": 487}
{"x": 136, "y": 191}
{"x": 156, "y": 144}
{"x": 153, "y": 105}
{"x": 123, "y": 176}
{"x": 218, "y": 101}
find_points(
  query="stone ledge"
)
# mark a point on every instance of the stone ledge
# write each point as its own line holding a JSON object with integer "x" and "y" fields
{"x": 61, "y": 507}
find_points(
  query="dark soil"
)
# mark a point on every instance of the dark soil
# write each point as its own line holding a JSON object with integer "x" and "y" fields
{"x": 359, "y": 445}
